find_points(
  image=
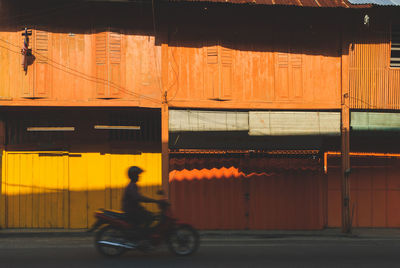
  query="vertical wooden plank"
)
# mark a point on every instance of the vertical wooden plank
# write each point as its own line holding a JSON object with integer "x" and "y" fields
{"x": 36, "y": 216}
{"x": 78, "y": 187}
{"x": 55, "y": 177}
{"x": 26, "y": 193}
{"x": 43, "y": 202}
{"x": 65, "y": 193}
{"x": 97, "y": 177}
{"x": 6, "y": 59}
{"x": 59, "y": 194}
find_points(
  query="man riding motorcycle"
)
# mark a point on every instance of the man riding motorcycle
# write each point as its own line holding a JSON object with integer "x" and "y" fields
{"x": 131, "y": 200}
{"x": 132, "y": 230}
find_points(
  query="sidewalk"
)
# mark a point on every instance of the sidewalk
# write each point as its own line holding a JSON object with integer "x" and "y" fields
{"x": 362, "y": 233}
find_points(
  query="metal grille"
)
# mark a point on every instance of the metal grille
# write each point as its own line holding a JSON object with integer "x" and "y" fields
{"x": 395, "y": 47}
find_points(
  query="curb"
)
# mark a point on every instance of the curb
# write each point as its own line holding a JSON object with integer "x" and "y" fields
{"x": 22, "y": 233}
{"x": 4, "y": 233}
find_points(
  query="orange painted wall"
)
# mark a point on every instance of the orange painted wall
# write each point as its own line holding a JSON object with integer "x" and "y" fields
{"x": 103, "y": 68}
{"x": 265, "y": 61}
{"x": 374, "y": 193}
{"x": 205, "y": 57}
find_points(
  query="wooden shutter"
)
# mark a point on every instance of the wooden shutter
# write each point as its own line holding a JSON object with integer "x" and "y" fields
{"x": 114, "y": 51}
{"x": 43, "y": 77}
{"x": 108, "y": 64}
{"x": 282, "y": 75}
{"x": 27, "y": 79}
{"x": 296, "y": 75}
{"x": 226, "y": 72}
{"x": 212, "y": 74}
{"x": 288, "y": 73}
{"x": 101, "y": 65}
{"x": 219, "y": 61}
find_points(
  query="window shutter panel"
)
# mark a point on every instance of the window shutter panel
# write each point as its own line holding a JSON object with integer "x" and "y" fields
{"x": 114, "y": 75}
{"x": 296, "y": 74}
{"x": 43, "y": 77}
{"x": 226, "y": 72}
{"x": 212, "y": 54}
{"x": 27, "y": 79}
{"x": 282, "y": 75}
{"x": 101, "y": 65}
{"x": 212, "y": 70}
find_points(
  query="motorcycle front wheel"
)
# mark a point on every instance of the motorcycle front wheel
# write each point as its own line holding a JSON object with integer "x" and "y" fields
{"x": 108, "y": 241}
{"x": 183, "y": 240}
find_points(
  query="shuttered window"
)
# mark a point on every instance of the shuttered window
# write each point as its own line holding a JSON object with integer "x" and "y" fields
{"x": 219, "y": 59}
{"x": 42, "y": 46}
{"x": 101, "y": 48}
{"x": 115, "y": 48}
{"x": 108, "y": 64}
{"x": 395, "y": 47}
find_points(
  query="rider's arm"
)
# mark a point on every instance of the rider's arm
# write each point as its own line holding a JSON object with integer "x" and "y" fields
{"x": 145, "y": 199}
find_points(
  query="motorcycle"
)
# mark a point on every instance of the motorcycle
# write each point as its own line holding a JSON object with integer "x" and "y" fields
{"x": 115, "y": 235}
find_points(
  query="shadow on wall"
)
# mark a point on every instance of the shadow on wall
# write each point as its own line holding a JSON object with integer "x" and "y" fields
{"x": 43, "y": 207}
{"x": 299, "y": 28}
{"x": 226, "y": 198}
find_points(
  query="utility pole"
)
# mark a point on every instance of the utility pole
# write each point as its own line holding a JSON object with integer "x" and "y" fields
{"x": 164, "y": 144}
{"x": 345, "y": 134}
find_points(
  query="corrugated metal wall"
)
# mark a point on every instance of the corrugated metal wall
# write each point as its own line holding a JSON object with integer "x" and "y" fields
{"x": 279, "y": 193}
{"x": 373, "y": 84}
{"x": 374, "y": 192}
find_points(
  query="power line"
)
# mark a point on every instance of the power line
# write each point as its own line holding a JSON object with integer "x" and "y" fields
{"x": 83, "y": 75}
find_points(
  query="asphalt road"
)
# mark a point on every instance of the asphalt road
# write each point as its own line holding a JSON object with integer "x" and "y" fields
{"x": 217, "y": 252}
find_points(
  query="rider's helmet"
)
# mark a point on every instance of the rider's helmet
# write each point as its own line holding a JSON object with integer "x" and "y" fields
{"x": 133, "y": 173}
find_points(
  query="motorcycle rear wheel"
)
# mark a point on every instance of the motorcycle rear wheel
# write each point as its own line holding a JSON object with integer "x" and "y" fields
{"x": 183, "y": 240}
{"x": 113, "y": 235}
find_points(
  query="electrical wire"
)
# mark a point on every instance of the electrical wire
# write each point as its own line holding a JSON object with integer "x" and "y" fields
{"x": 53, "y": 10}
{"x": 81, "y": 75}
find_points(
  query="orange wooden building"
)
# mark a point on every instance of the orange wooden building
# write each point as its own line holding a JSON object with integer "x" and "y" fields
{"x": 226, "y": 104}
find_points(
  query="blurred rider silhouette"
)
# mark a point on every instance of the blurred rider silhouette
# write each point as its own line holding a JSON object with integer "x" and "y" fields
{"x": 131, "y": 200}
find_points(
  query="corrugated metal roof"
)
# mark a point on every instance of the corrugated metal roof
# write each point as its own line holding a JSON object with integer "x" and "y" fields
{"x": 376, "y": 2}
{"x": 298, "y": 3}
